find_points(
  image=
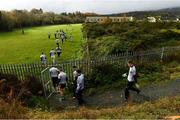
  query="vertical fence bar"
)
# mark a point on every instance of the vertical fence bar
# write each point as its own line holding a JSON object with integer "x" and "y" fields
{"x": 162, "y": 54}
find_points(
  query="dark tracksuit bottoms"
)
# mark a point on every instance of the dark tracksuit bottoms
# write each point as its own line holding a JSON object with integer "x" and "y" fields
{"x": 130, "y": 86}
{"x": 79, "y": 97}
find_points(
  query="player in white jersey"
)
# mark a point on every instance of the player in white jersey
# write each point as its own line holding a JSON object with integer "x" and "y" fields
{"x": 52, "y": 55}
{"x": 131, "y": 80}
{"x": 53, "y": 72}
{"x": 75, "y": 76}
{"x": 43, "y": 58}
{"x": 62, "y": 78}
{"x": 80, "y": 87}
{"x": 49, "y": 35}
{"x": 58, "y": 50}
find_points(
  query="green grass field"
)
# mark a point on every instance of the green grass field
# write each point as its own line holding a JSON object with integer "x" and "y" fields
{"x": 18, "y": 48}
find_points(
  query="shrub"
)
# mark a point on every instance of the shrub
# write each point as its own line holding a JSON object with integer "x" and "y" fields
{"x": 26, "y": 91}
{"x": 106, "y": 74}
{"x": 113, "y": 38}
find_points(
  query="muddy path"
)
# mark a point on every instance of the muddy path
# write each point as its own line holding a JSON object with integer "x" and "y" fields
{"x": 116, "y": 97}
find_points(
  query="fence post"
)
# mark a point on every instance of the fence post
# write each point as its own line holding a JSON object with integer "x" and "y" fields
{"x": 162, "y": 54}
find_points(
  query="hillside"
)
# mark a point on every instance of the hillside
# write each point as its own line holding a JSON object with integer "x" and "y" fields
{"x": 115, "y": 38}
{"x": 168, "y": 13}
{"x": 172, "y": 10}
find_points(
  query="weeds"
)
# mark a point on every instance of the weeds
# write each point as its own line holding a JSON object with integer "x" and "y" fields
{"x": 149, "y": 110}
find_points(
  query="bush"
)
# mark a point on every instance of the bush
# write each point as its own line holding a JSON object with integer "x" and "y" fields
{"x": 32, "y": 84}
{"x": 11, "y": 79}
{"x": 113, "y": 38}
{"x": 37, "y": 102}
{"x": 26, "y": 91}
{"x": 106, "y": 75}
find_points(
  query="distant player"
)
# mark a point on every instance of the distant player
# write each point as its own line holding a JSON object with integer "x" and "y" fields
{"x": 57, "y": 42}
{"x": 43, "y": 58}
{"x": 52, "y": 55}
{"x": 49, "y": 35}
{"x": 58, "y": 50}
{"x": 55, "y": 35}
{"x": 62, "y": 38}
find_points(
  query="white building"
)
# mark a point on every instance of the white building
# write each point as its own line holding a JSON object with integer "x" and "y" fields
{"x": 112, "y": 19}
{"x": 95, "y": 19}
{"x": 151, "y": 19}
{"x": 177, "y": 20}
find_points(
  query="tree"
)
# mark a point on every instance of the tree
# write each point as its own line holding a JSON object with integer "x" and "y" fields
{"x": 6, "y": 22}
{"x": 36, "y": 17}
{"x": 36, "y": 11}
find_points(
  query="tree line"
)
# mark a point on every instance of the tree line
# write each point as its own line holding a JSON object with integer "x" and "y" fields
{"x": 164, "y": 14}
{"x": 36, "y": 17}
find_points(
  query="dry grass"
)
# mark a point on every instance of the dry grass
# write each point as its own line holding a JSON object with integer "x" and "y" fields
{"x": 12, "y": 110}
{"x": 174, "y": 72}
{"x": 151, "y": 110}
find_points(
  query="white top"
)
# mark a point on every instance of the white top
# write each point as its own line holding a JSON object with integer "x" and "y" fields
{"x": 80, "y": 82}
{"x": 57, "y": 40}
{"x": 52, "y": 53}
{"x": 132, "y": 72}
{"x": 58, "y": 50}
{"x": 53, "y": 72}
{"x": 62, "y": 36}
{"x": 43, "y": 57}
{"x": 75, "y": 74}
{"x": 62, "y": 77}
{"x": 61, "y": 33}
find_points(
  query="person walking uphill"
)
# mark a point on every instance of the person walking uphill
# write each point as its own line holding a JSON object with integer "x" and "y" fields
{"x": 62, "y": 78}
{"x": 80, "y": 87}
{"x": 52, "y": 55}
{"x": 43, "y": 58}
{"x": 131, "y": 80}
{"x": 49, "y": 35}
{"x": 75, "y": 76}
{"x": 53, "y": 71}
{"x": 58, "y": 50}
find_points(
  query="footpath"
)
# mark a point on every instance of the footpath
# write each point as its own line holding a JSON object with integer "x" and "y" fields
{"x": 116, "y": 97}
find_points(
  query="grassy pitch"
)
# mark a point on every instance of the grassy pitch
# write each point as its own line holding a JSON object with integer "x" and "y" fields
{"x": 18, "y": 48}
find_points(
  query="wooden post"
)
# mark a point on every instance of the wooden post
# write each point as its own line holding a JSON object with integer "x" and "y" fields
{"x": 162, "y": 54}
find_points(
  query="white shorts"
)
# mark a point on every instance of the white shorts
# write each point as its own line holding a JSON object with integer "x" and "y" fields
{"x": 53, "y": 57}
{"x": 43, "y": 62}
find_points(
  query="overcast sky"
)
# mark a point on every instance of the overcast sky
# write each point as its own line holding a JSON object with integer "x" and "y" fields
{"x": 98, "y": 6}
